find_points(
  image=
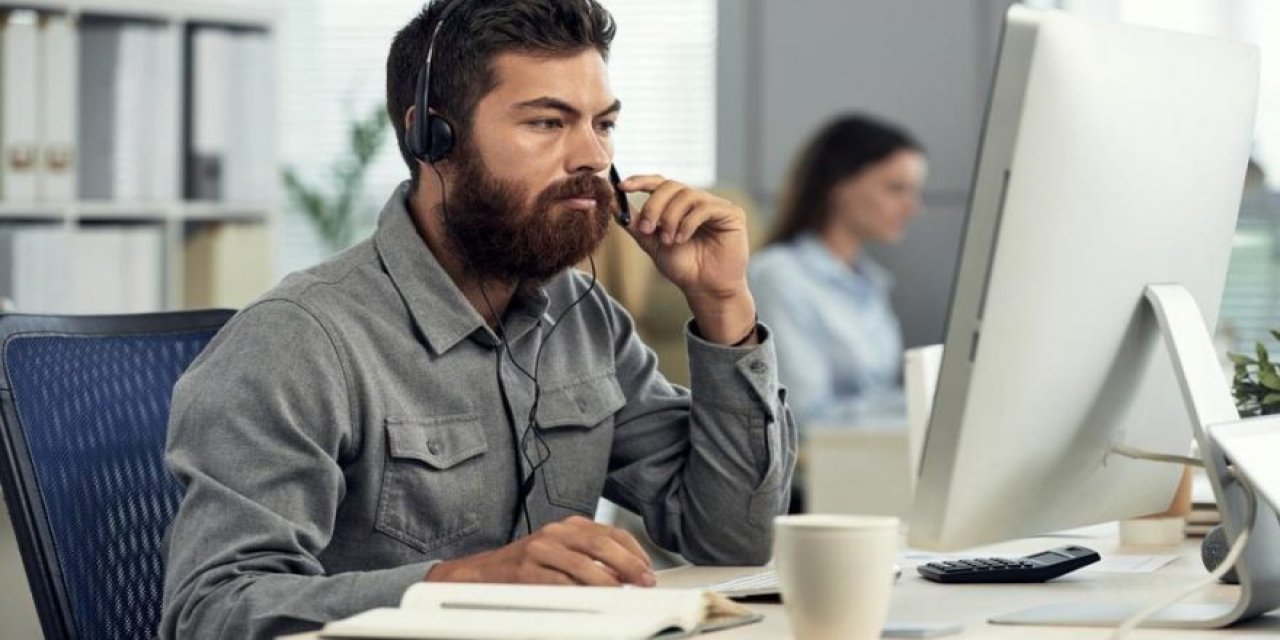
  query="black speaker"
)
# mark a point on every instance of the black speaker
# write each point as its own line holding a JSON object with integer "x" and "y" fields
{"x": 1214, "y": 549}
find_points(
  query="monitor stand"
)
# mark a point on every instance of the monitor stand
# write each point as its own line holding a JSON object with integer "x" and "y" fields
{"x": 1209, "y": 400}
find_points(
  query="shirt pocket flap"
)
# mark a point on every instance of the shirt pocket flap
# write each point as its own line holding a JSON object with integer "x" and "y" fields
{"x": 584, "y": 402}
{"x": 439, "y": 442}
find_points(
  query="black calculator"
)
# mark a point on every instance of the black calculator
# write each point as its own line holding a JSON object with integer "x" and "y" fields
{"x": 1037, "y": 567}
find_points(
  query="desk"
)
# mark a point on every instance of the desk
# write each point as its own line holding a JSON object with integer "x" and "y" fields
{"x": 918, "y": 600}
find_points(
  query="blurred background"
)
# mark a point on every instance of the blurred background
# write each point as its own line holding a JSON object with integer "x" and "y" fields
{"x": 176, "y": 154}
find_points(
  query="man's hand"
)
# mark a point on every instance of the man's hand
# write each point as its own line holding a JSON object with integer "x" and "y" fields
{"x": 699, "y": 242}
{"x": 571, "y": 551}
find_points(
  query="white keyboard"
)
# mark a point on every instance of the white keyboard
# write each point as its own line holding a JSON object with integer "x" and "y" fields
{"x": 764, "y": 583}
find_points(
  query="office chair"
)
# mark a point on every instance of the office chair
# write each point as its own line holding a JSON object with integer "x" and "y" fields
{"x": 85, "y": 406}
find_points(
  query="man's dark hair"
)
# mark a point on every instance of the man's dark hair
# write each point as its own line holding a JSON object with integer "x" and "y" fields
{"x": 844, "y": 147}
{"x": 475, "y": 32}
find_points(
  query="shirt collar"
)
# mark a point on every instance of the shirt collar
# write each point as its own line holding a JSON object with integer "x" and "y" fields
{"x": 442, "y": 314}
{"x": 820, "y": 258}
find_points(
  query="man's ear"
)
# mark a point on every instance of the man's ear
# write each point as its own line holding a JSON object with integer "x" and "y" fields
{"x": 408, "y": 118}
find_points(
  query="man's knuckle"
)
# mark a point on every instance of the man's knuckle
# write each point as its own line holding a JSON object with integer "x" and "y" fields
{"x": 598, "y": 545}
{"x": 538, "y": 548}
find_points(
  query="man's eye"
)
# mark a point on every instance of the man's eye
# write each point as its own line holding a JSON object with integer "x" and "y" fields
{"x": 547, "y": 123}
{"x": 608, "y": 125}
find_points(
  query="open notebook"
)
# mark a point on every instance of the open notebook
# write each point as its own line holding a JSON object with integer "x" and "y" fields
{"x": 465, "y": 611}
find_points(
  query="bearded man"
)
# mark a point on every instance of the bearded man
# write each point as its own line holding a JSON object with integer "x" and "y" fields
{"x": 449, "y": 399}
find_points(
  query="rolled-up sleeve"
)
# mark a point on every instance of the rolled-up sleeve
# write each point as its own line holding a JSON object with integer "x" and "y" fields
{"x": 708, "y": 467}
{"x": 256, "y": 430}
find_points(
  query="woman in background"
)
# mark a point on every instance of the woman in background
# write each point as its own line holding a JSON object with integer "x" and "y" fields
{"x": 857, "y": 183}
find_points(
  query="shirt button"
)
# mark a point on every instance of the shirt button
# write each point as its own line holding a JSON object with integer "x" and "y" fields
{"x": 759, "y": 367}
{"x": 433, "y": 446}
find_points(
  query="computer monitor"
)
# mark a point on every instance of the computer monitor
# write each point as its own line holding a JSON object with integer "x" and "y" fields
{"x": 1112, "y": 158}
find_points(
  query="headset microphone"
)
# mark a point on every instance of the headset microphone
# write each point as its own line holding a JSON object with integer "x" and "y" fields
{"x": 624, "y": 207}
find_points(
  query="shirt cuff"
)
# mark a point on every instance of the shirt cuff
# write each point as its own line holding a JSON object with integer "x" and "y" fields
{"x": 386, "y": 588}
{"x": 718, "y": 372}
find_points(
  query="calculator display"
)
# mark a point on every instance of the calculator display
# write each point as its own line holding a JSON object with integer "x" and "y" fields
{"x": 1046, "y": 556}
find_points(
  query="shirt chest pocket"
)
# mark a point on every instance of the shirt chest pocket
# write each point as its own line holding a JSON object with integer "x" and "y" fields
{"x": 577, "y": 424}
{"x": 432, "y": 480}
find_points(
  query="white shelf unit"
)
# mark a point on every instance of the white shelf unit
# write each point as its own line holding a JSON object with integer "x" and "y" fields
{"x": 177, "y": 218}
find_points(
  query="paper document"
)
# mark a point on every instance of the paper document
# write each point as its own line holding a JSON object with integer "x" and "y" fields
{"x": 432, "y": 610}
{"x": 1116, "y": 563}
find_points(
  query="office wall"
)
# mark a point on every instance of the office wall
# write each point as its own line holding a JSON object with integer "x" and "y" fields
{"x": 784, "y": 68}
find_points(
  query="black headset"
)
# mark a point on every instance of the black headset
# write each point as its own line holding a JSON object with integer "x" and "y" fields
{"x": 431, "y": 137}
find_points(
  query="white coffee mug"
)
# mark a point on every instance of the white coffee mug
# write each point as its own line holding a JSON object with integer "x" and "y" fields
{"x": 836, "y": 573}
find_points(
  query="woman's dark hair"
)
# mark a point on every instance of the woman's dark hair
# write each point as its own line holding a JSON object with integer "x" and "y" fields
{"x": 476, "y": 31}
{"x": 843, "y": 148}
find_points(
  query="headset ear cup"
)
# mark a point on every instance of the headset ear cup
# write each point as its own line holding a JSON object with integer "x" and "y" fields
{"x": 417, "y": 146}
{"x": 440, "y": 138}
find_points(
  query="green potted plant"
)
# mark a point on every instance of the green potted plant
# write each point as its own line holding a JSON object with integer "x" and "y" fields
{"x": 336, "y": 208}
{"x": 1256, "y": 383}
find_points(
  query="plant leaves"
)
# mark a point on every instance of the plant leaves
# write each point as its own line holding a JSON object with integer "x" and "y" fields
{"x": 1241, "y": 359}
{"x": 1269, "y": 379}
{"x": 336, "y": 208}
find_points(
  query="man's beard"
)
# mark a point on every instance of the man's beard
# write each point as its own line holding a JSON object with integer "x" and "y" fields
{"x": 486, "y": 222}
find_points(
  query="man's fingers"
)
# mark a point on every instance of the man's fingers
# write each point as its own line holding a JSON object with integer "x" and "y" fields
{"x": 538, "y": 574}
{"x": 621, "y": 536}
{"x": 645, "y": 182}
{"x": 690, "y": 224}
{"x": 558, "y": 551}
{"x": 651, "y": 213}
{"x": 632, "y": 568}
{"x": 629, "y": 541}
{"x": 680, "y": 205}
{"x": 582, "y": 568}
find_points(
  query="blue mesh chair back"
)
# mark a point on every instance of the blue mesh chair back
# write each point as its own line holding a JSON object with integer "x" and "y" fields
{"x": 85, "y": 404}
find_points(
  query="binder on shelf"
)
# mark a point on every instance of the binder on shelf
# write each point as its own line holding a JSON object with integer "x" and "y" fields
{"x": 251, "y": 174}
{"x": 211, "y": 90}
{"x": 128, "y": 112}
{"x": 19, "y": 54}
{"x": 167, "y": 104}
{"x": 143, "y": 269}
{"x": 226, "y": 265}
{"x": 57, "y": 111}
{"x": 99, "y": 59}
{"x": 97, "y": 267}
{"x": 230, "y": 156}
{"x": 116, "y": 269}
{"x": 7, "y": 260}
{"x": 41, "y": 269}
{"x": 133, "y": 115}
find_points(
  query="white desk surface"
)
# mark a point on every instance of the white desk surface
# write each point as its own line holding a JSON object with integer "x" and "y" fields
{"x": 918, "y": 600}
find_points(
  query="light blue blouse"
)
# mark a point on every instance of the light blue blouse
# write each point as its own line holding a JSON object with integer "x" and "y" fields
{"x": 838, "y": 340}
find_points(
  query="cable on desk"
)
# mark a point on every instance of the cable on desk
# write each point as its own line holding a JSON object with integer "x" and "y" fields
{"x": 1140, "y": 454}
{"x": 1233, "y": 556}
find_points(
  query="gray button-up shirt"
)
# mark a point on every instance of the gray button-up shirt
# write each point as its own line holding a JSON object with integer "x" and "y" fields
{"x": 348, "y": 428}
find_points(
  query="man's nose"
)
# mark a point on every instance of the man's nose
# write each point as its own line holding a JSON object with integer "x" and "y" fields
{"x": 590, "y": 152}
